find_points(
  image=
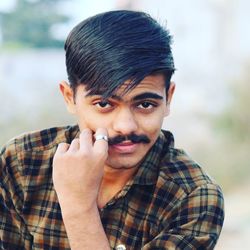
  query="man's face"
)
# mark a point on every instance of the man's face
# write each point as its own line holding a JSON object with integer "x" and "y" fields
{"x": 139, "y": 113}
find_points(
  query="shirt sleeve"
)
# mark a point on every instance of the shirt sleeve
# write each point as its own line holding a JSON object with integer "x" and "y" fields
{"x": 196, "y": 224}
{"x": 13, "y": 230}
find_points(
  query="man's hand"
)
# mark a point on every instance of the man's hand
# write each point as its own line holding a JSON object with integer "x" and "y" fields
{"x": 77, "y": 174}
{"x": 78, "y": 169}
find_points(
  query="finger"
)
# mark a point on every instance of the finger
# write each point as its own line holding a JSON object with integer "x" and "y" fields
{"x": 101, "y": 145}
{"x": 62, "y": 148}
{"x": 86, "y": 141}
{"x": 74, "y": 146}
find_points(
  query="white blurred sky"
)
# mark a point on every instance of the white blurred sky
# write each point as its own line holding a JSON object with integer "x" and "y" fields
{"x": 6, "y": 5}
{"x": 78, "y": 9}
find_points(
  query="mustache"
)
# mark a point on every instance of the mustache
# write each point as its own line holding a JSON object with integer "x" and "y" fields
{"x": 132, "y": 137}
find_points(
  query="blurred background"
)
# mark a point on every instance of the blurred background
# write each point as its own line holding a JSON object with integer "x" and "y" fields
{"x": 210, "y": 115}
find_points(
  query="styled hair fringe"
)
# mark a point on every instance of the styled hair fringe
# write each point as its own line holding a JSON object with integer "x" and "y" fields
{"x": 104, "y": 51}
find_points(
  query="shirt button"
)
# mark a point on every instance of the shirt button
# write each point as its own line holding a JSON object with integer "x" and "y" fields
{"x": 120, "y": 247}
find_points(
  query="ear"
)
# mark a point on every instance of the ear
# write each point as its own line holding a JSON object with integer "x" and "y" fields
{"x": 169, "y": 97}
{"x": 68, "y": 96}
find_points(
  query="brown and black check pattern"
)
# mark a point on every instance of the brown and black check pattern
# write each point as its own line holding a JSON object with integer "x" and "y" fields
{"x": 169, "y": 204}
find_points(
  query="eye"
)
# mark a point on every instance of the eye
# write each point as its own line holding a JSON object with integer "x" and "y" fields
{"x": 103, "y": 104}
{"x": 146, "y": 105}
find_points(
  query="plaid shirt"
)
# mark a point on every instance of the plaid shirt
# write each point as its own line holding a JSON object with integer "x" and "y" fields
{"x": 169, "y": 204}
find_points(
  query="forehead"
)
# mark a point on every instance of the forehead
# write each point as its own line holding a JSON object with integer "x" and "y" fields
{"x": 149, "y": 83}
{"x": 152, "y": 83}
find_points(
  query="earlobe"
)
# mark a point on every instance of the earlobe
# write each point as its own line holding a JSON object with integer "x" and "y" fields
{"x": 68, "y": 96}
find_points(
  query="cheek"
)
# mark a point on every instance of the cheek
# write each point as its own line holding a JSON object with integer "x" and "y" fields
{"x": 151, "y": 125}
{"x": 83, "y": 118}
{"x": 91, "y": 120}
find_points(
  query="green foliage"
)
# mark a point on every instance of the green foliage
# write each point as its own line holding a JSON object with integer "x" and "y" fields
{"x": 232, "y": 127}
{"x": 235, "y": 121}
{"x": 30, "y": 23}
{"x": 225, "y": 155}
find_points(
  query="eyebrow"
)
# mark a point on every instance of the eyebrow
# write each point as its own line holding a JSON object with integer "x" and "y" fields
{"x": 142, "y": 96}
{"x": 147, "y": 95}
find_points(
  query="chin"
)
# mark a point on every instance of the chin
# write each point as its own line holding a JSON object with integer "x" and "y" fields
{"x": 124, "y": 163}
{"x": 120, "y": 160}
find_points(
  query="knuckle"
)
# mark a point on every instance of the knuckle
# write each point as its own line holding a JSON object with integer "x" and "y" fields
{"x": 85, "y": 131}
{"x": 63, "y": 145}
{"x": 75, "y": 140}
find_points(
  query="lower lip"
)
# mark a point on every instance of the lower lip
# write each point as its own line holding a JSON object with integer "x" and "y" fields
{"x": 125, "y": 149}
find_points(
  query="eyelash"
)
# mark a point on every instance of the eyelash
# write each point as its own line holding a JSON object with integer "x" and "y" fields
{"x": 102, "y": 102}
{"x": 149, "y": 103}
{"x": 103, "y": 109}
{"x": 109, "y": 106}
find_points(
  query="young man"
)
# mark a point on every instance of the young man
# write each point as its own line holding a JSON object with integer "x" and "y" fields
{"x": 115, "y": 180}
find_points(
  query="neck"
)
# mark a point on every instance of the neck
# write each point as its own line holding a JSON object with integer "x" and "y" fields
{"x": 113, "y": 181}
{"x": 116, "y": 177}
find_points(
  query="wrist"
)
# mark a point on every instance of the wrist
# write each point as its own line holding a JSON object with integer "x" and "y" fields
{"x": 71, "y": 203}
{"x": 74, "y": 208}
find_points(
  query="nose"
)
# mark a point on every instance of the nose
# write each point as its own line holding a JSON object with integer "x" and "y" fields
{"x": 125, "y": 122}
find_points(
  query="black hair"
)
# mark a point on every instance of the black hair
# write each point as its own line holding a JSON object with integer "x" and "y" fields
{"x": 104, "y": 51}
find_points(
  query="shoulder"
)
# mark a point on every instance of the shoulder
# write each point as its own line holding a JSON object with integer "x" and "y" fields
{"x": 177, "y": 167}
{"x": 186, "y": 182}
{"x": 40, "y": 140}
{"x": 27, "y": 148}
{"x": 31, "y": 154}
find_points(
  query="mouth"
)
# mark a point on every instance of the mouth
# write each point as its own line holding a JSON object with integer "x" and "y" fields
{"x": 126, "y": 147}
